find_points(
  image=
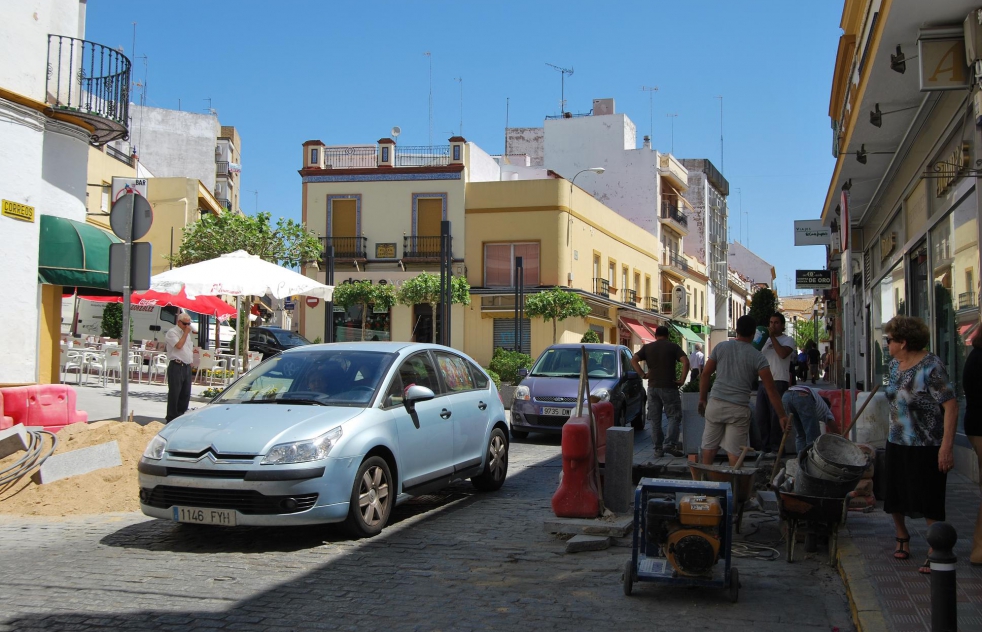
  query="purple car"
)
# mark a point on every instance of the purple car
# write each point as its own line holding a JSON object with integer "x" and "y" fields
{"x": 546, "y": 397}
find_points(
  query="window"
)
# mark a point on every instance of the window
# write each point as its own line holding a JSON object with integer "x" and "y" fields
{"x": 504, "y": 334}
{"x": 499, "y": 264}
{"x": 612, "y": 272}
{"x": 343, "y": 220}
{"x": 637, "y": 283}
{"x": 456, "y": 374}
{"x": 429, "y": 214}
{"x": 888, "y": 301}
{"x": 596, "y": 265}
{"x": 106, "y": 191}
{"x": 647, "y": 286}
{"x": 313, "y": 156}
{"x": 456, "y": 152}
{"x": 702, "y": 305}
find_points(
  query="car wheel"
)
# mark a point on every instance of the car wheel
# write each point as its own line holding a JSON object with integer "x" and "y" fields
{"x": 371, "y": 499}
{"x": 638, "y": 422}
{"x": 496, "y": 467}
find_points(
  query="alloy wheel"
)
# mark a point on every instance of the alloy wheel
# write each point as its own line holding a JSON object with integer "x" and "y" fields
{"x": 497, "y": 457}
{"x": 373, "y": 495}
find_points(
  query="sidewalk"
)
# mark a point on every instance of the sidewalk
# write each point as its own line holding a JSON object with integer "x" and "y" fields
{"x": 888, "y": 594}
{"x": 148, "y": 402}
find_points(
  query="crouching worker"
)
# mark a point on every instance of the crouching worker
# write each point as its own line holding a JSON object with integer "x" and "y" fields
{"x": 727, "y": 408}
{"x": 809, "y": 410}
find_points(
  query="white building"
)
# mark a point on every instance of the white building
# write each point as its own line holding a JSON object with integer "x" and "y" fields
{"x": 50, "y": 117}
{"x": 750, "y": 266}
{"x": 706, "y": 241}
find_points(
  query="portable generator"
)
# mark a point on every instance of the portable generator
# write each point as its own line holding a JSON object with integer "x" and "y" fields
{"x": 682, "y": 530}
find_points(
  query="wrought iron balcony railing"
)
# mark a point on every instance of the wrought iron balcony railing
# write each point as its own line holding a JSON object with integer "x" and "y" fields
{"x": 355, "y": 157}
{"x": 224, "y": 203}
{"x": 651, "y": 304}
{"x": 422, "y": 156}
{"x": 90, "y": 81}
{"x": 967, "y": 300}
{"x": 601, "y": 287}
{"x": 121, "y": 156}
{"x": 421, "y": 247}
{"x": 221, "y": 167}
{"x": 671, "y": 212}
{"x": 348, "y": 247}
{"x": 675, "y": 260}
{"x": 629, "y": 296}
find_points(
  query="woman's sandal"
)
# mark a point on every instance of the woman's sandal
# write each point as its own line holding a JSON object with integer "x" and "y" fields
{"x": 900, "y": 553}
{"x": 925, "y": 568}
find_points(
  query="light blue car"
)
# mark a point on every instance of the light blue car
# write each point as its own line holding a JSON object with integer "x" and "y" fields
{"x": 329, "y": 433}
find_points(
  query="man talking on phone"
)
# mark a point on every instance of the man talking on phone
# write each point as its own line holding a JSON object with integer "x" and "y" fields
{"x": 180, "y": 354}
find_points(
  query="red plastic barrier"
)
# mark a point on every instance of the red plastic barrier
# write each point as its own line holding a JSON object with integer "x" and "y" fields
{"x": 835, "y": 397}
{"x": 5, "y": 422}
{"x": 50, "y": 406}
{"x": 577, "y": 496}
{"x": 603, "y": 414}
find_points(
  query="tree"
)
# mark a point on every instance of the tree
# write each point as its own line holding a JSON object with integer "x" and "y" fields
{"x": 556, "y": 304}
{"x": 763, "y": 305}
{"x": 366, "y": 294}
{"x": 288, "y": 244}
{"x": 806, "y": 330}
{"x": 112, "y": 321}
{"x": 424, "y": 288}
{"x": 590, "y": 336}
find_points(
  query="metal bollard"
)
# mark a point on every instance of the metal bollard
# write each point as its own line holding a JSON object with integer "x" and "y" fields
{"x": 944, "y": 605}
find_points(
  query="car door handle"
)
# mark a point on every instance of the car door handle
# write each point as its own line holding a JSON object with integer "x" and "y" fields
{"x": 482, "y": 405}
{"x": 445, "y": 413}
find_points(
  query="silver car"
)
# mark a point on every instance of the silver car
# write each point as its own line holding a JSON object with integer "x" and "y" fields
{"x": 329, "y": 433}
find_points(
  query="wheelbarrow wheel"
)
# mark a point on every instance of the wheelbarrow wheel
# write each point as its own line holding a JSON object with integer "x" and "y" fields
{"x": 628, "y": 578}
{"x": 792, "y": 528}
{"x": 733, "y": 590}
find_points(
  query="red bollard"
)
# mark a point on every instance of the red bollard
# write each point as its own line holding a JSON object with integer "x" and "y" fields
{"x": 577, "y": 496}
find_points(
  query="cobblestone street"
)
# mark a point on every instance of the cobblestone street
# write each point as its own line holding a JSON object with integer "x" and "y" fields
{"x": 457, "y": 561}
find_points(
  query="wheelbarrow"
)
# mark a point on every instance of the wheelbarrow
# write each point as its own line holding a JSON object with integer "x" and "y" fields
{"x": 741, "y": 481}
{"x": 812, "y": 515}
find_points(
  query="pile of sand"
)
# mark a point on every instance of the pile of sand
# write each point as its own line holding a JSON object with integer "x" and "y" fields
{"x": 102, "y": 491}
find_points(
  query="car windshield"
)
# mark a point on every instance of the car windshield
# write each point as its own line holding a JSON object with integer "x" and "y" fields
{"x": 566, "y": 363}
{"x": 289, "y": 339}
{"x": 336, "y": 377}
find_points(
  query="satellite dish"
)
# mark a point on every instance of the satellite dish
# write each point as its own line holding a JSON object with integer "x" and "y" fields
{"x": 396, "y": 131}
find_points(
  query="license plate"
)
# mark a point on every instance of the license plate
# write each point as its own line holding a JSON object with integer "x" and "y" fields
{"x": 198, "y": 515}
{"x": 562, "y": 412}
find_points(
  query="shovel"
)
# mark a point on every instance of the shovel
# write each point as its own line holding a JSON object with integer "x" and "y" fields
{"x": 780, "y": 450}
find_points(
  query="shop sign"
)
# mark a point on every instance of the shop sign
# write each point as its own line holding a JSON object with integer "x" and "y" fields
{"x": 812, "y": 279}
{"x": 941, "y": 57}
{"x": 15, "y": 210}
{"x": 680, "y": 303}
{"x": 950, "y": 167}
{"x": 385, "y": 251}
{"x": 811, "y": 232}
{"x": 122, "y": 186}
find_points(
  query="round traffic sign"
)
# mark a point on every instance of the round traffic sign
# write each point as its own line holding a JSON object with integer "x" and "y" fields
{"x": 312, "y": 301}
{"x": 120, "y": 212}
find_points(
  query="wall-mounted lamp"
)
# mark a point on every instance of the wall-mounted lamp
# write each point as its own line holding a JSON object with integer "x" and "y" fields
{"x": 861, "y": 154}
{"x": 876, "y": 116}
{"x": 898, "y": 62}
{"x": 847, "y": 184}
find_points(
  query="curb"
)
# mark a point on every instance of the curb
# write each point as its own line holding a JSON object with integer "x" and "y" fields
{"x": 867, "y": 613}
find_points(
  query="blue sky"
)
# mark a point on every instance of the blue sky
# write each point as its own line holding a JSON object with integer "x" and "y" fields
{"x": 346, "y": 72}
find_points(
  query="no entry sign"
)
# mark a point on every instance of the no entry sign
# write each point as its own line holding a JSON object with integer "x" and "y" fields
{"x": 312, "y": 301}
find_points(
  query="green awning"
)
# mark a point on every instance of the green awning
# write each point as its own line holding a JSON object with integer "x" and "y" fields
{"x": 689, "y": 335}
{"x": 73, "y": 253}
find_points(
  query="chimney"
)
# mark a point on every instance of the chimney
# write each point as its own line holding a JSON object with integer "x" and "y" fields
{"x": 646, "y": 143}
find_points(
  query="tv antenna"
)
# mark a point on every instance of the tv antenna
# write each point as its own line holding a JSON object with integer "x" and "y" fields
{"x": 563, "y": 73}
{"x": 651, "y": 90}
{"x": 395, "y": 132}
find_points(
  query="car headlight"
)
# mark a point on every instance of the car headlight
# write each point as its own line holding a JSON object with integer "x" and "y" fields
{"x": 522, "y": 393}
{"x": 601, "y": 393}
{"x": 302, "y": 451}
{"x": 155, "y": 449}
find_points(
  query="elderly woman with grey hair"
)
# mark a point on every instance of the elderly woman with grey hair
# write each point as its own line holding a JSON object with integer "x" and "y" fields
{"x": 920, "y": 445}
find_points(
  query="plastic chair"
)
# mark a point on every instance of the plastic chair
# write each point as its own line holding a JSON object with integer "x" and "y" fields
{"x": 136, "y": 364}
{"x": 207, "y": 363}
{"x": 73, "y": 360}
{"x": 111, "y": 361}
{"x": 158, "y": 367}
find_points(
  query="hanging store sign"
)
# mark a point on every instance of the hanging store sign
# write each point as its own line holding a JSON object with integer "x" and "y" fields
{"x": 19, "y": 211}
{"x": 812, "y": 279}
{"x": 811, "y": 232}
{"x": 951, "y": 166}
{"x": 941, "y": 59}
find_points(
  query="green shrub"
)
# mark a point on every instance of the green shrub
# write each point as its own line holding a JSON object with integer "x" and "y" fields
{"x": 211, "y": 392}
{"x": 494, "y": 378}
{"x": 507, "y": 363}
{"x": 590, "y": 336}
{"x": 112, "y": 321}
{"x": 316, "y": 340}
{"x": 693, "y": 386}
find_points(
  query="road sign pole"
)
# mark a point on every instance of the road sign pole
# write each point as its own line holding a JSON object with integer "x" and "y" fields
{"x": 124, "y": 337}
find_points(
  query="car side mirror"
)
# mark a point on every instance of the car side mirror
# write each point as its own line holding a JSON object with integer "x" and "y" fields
{"x": 523, "y": 372}
{"x": 416, "y": 393}
{"x": 631, "y": 375}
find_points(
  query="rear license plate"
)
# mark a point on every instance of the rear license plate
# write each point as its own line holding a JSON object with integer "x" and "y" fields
{"x": 198, "y": 515}
{"x": 562, "y": 412}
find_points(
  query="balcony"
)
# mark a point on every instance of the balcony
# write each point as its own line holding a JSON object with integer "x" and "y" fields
{"x": 123, "y": 157}
{"x": 601, "y": 287}
{"x": 670, "y": 168}
{"x": 367, "y": 156}
{"x": 91, "y": 82}
{"x": 422, "y": 156}
{"x": 347, "y": 248}
{"x": 629, "y": 296}
{"x": 224, "y": 203}
{"x": 426, "y": 248}
{"x": 666, "y": 303}
{"x": 350, "y": 157}
{"x": 221, "y": 167}
{"x": 673, "y": 262}
{"x": 651, "y": 304}
{"x": 967, "y": 300}
{"x": 673, "y": 217}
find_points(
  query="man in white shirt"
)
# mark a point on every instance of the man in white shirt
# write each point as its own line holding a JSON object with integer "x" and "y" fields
{"x": 776, "y": 351}
{"x": 180, "y": 354}
{"x": 696, "y": 361}
{"x": 808, "y": 409}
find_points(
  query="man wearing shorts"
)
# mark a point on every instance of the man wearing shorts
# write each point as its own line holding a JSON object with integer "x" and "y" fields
{"x": 727, "y": 408}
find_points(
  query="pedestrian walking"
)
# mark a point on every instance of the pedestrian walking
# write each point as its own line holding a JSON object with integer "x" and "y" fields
{"x": 660, "y": 358}
{"x": 726, "y": 408}
{"x": 697, "y": 360}
{"x": 807, "y": 410}
{"x": 972, "y": 383}
{"x": 776, "y": 351}
{"x": 920, "y": 444}
{"x": 180, "y": 354}
{"x": 814, "y": 358}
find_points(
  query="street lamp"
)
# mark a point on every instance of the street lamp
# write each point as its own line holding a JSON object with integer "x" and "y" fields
{"x": 569, "y": 223}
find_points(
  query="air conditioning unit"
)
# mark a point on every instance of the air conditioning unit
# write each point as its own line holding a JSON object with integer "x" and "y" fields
{"x": 603, "y": 106}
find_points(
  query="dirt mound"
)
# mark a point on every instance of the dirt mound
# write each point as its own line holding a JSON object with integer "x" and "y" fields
{"x": 103, "y": 491}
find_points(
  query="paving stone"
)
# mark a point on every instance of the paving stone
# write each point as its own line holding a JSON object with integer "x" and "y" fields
{"x": 76, "y": 462}
{"x": 616, "y": 527}
{"x": 13, "y": 439}
{"x": 579, "y": 543}
{"x": 618, "y": 488}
